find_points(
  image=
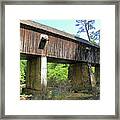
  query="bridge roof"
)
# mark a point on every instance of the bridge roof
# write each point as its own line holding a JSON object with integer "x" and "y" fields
{"x": 56, "y": 31}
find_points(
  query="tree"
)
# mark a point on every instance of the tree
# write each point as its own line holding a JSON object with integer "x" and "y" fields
{"x": 88, "y": 26}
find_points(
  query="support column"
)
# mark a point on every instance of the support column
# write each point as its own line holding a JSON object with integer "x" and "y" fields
{"x": 74, "y": 75}
{"x": 43, "y": 77}
{"x": 79, "y": 74}
{"x": 33, "y": 78}
{"x": 93, "y": 80}
{"x": 86, "y": 76}
{"x": 97, "y": 75}
{"x": 36, "y": 81}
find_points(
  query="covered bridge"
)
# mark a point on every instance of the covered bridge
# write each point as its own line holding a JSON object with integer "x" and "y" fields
{"x": 40, "y": 43}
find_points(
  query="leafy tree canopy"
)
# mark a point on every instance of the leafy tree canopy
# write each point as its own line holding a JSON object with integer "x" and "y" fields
{"x": 88, "y": 26}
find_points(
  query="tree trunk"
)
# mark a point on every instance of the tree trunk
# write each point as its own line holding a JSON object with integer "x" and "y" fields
{"x": 87, "y": 32}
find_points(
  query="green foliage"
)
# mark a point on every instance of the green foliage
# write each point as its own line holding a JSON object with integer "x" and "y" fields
{"x": 57, "y": 71}
{"x": 93, "y": 69}
{"x": 23, "y": 67}
{"x": 92, "y": 41}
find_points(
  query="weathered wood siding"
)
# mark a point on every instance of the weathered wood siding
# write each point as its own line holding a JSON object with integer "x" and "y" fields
{"x": 57, "y": 47}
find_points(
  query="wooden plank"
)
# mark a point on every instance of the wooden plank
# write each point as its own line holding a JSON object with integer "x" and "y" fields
{"x": 48, "y": 48}
{"x": 54, "y": 47}
{"x": 27, "y": 41}
{"x": 70, "y": 49}
{"x": 30, "y": 42}
{"x": 34, "y": 42}
{"x": 67, "y": 49}
{"x": 21, "y": 39}
{"x": 57, "y": 47}
{"x": 60, "y": 48}
{"x": 35, "y": 39}
{"x": 63, "y": 49}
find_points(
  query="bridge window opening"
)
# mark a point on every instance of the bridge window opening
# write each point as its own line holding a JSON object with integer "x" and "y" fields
{"x": 43, "y": 41}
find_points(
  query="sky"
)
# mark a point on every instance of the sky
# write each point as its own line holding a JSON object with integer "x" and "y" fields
{"x": 67, "y": 25}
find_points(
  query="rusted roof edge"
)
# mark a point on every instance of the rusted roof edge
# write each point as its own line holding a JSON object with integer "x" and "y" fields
{"x": 56, "y": 31}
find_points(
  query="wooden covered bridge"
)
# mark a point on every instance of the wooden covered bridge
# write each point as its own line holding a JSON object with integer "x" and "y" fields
{"x": 40, "y": 43}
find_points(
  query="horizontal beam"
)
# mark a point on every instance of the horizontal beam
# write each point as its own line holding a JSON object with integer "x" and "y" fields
{"x": 24, "y": 56}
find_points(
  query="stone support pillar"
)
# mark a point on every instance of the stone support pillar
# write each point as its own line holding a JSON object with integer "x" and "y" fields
{"x": 36, "y": 80}
{"x": 97, "y": 75}
{"x": 33, "y": 78}
{"x": 79, "y": 75}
